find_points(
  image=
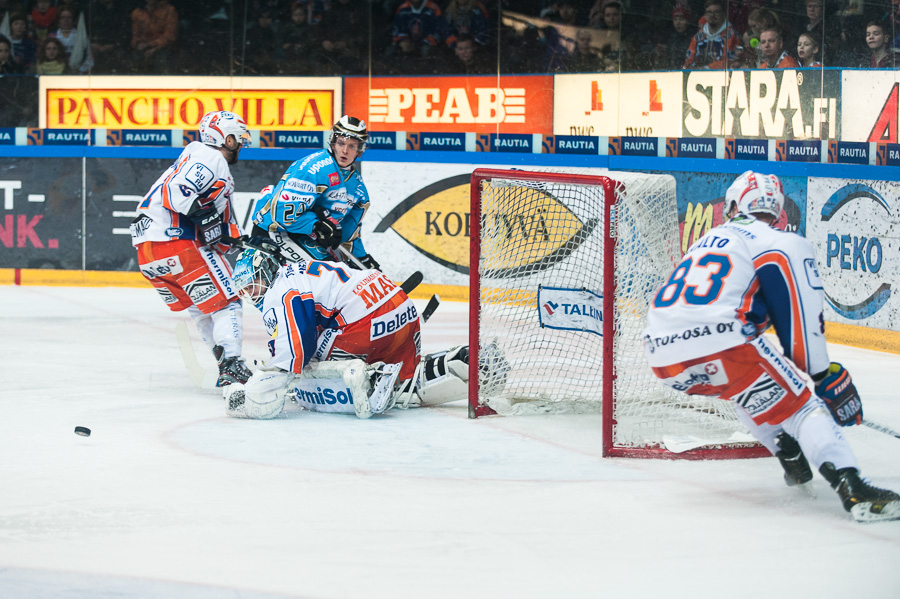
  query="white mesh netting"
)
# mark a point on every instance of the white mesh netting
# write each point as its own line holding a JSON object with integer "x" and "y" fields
{"x": 547, "y": 238}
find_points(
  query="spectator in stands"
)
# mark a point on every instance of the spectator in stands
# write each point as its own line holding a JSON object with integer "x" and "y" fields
{"x": 419, "y": 27}
{"x": 297, "y": 42}
{"x": 43, "y": 16}
{"x": 261, "y": 44}
{"x": 74, "y": 39}
{"x": 24, "y": 49}
{"x": 521, "y": 53}
{"x": 895, "y": 17}
{"x": 52, "y": 58}
{"x": 758, "y": 21}
{"x": 563, "y": 12}
{"x": 468, "y": 16}
{"x": 878, "y": 41}
{"x": 716, "y": 45}
{"x": 556, "y": 40}
{"x": 679, "y": 37}
{"x": 738, "y": 12}
{"x": 154, "y": 32}
{"x": 470, "y": 57}
{"x": 584, "y": 58}
{"x": 808, "y": 50}
{"x": 108, "y": 34}
{"x": 343, "y": 38}
{"x": 771, "y": 45}
{"x": 826, "y": 32}
{"x": 605, "y": 14}
{"x": 8, "y": 65}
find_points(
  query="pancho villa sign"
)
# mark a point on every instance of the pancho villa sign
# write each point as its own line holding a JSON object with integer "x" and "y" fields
{"x": 296, "y": 104}
{"x": 762, "y": 103}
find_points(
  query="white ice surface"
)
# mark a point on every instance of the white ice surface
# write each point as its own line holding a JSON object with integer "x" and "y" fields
{"x": 168, "y": 498}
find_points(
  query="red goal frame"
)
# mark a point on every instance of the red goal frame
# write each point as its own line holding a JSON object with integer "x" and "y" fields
{"x": 749, "y": 450}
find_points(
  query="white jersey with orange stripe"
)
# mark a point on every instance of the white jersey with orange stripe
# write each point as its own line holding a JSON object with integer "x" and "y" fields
{"x": 200, "y": 173}
{"x": 729, "y": 286}
{"x": 308, "y": 297}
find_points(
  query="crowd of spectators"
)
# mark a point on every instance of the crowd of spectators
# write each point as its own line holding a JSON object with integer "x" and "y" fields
{"x": 416, "y": 37}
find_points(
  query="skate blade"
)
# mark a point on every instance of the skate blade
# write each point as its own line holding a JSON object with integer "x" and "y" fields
{"x": 869, "y": 511}
{"x": 381, "y": 397}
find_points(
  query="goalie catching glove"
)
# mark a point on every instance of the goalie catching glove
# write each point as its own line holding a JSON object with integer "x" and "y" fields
{"x": 837, "y": 390}
{"x": 208, "y": 223}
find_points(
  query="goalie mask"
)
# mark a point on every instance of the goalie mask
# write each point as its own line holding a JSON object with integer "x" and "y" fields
{"x": 216, "y": 126}
{"x": 253, "y": 274}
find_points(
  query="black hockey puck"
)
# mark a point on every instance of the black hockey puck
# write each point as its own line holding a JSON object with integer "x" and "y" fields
{"x": 83, "y": 431}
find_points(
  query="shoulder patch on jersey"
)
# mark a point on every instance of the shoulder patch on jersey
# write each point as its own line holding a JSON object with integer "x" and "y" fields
{"x": 812, "y": 273}
{"x": 199, "y": 175}
{"x": 334, "y": 179}
{"x": 271, "y": 321}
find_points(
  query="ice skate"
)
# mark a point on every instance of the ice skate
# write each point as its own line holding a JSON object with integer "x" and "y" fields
{"x": 796, "y": 467}
{"x": 865, "y": 502}
{"x": 231, "y": 370}
{"x": 380, "y": 399}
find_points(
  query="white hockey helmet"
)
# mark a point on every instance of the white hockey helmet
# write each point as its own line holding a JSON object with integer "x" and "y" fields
{"x": 755, "y": 193}
{"x": 351, "y": 128}
{"x": 254, "y": 271}
{"x": 216, "y": 126}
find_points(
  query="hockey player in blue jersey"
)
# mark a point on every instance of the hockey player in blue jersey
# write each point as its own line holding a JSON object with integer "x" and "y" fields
{"x": 319, "y": 203}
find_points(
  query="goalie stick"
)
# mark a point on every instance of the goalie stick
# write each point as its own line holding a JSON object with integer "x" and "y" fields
{"x": 881, "y": 428}
{"x": 201, "y": 377}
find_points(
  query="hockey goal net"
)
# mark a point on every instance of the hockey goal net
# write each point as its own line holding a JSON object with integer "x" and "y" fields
{"x": 563, "y": 265}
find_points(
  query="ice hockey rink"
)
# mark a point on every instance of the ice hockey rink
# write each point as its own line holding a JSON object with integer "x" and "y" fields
{"x": 169, "y": 498}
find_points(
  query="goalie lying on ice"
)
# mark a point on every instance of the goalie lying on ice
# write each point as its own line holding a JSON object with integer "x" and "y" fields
{"x": 341, "y": 340}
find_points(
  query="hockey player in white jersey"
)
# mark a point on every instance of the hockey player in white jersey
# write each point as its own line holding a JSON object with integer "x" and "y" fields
{"x": 704, "y": 336}
{"x": 341, "y": 340}
{"x": 178, "y": 235}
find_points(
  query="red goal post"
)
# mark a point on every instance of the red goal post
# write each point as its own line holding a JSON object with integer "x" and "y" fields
{"x": 562, "y": 264}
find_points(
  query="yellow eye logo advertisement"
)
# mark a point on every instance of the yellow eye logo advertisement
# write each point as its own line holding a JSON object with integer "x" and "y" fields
{"x": 524, "y": 229}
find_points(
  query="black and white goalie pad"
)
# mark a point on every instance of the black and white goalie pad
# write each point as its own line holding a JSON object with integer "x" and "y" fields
{"x": 443, "y": 377}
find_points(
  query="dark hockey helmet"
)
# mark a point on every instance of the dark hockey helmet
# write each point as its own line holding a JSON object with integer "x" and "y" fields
{"x": 351, "y": 128}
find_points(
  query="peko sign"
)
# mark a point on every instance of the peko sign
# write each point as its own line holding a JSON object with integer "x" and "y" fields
{"x": 180, "y": 102}
{"x": 510, "y": 104}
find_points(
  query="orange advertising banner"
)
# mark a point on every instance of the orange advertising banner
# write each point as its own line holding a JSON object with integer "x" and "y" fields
{"x": 484, "y": 104}
{"x": 295, "y": 110}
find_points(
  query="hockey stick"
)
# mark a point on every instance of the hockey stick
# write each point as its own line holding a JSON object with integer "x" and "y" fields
{"x": 349, "y": 258}
{"x": 881, "y": 428}
{"x": 430, "y": 307}
{"x": 411, "y": 282}
{"x": 201, "y": 377}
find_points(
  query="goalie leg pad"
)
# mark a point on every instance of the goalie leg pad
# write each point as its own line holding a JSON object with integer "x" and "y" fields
{"x": 261, "y": 398}
{"x": 441, "y": 377}
{"x": 344, "y": 386}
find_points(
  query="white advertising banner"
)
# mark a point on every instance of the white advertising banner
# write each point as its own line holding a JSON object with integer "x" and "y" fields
{"x": 419, "y": 220}
{"x": 876, "y": 110}
{"x": 610, "y": 104}
{"x": 855, "y": 228}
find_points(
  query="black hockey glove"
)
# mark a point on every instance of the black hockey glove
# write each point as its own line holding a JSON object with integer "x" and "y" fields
{"x": 369, "y": 262}
{"x": 837, "y": 390}
{"x": 327, "y": 233}
{"x": 208, "y": 223}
